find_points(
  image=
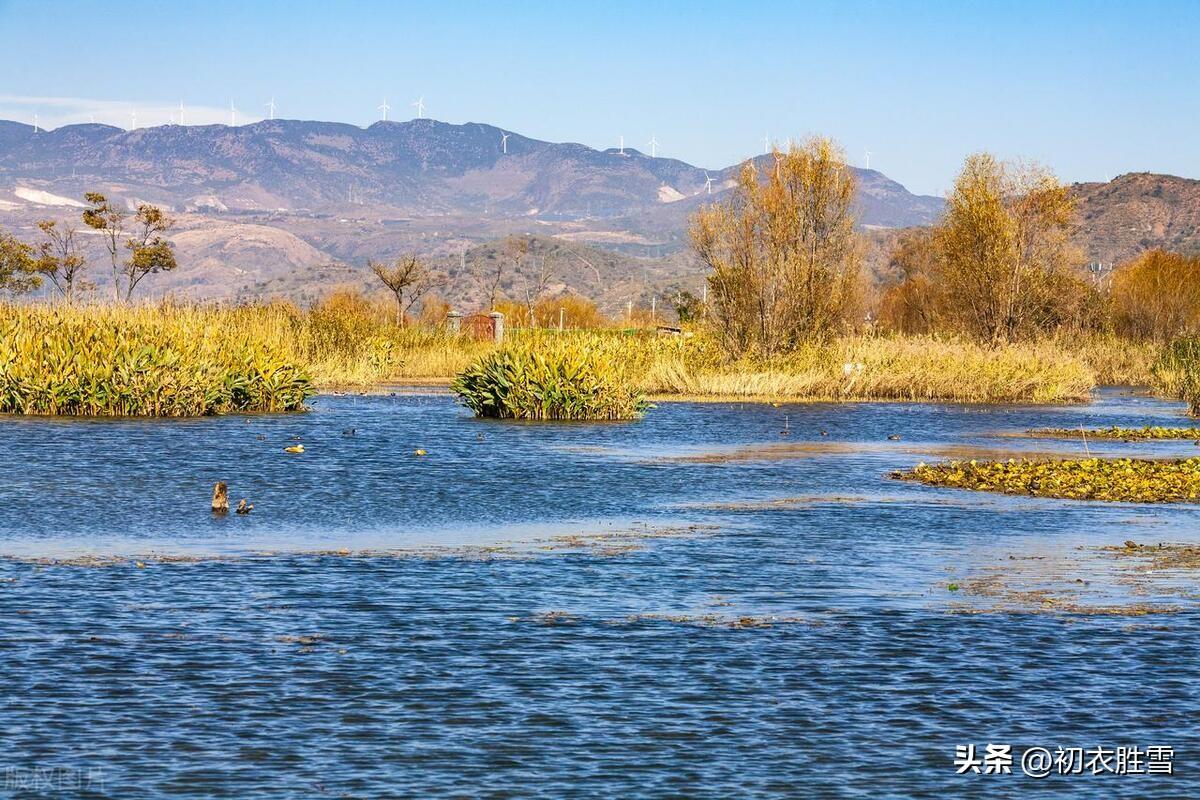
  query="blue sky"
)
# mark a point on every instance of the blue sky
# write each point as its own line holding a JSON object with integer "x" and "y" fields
{"x": 1091, "y": 89}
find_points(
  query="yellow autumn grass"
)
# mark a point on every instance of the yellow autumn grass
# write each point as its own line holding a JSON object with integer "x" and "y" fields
{"x": 347, "y": 341}
{"x": 905, "y": 368}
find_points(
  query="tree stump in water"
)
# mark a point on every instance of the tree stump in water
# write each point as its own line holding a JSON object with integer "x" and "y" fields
{"x": 220, "y": 500}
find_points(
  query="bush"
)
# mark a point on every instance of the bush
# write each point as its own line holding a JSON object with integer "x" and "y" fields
{"x": 568, "y": 378}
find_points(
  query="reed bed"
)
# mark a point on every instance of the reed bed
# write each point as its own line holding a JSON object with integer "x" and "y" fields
{"x": 1177, "y": 373}
{"x": 139, "y": 362}
{"x": 172, "y": 359}
{"x": 1115, "y": 360}
{"x": 913, "y": 368}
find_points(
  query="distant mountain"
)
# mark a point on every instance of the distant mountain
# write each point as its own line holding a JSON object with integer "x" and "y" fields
{"x": 1137, "y": 212}
{"x": 291, "y": 208}
{"x": 421, "y": 167}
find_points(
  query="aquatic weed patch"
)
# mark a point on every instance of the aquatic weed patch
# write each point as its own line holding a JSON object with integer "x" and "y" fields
{"x": 1117, "y": 433}
{"x": 1161, "y": 556}
{"x": 1123, "y": 480}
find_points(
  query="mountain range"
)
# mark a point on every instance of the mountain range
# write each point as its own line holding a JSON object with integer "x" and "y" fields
{"x": 292, "y": 208}
{"x": 421, "y": 167}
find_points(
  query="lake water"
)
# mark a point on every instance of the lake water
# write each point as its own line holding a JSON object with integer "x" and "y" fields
{"x": 693, "y": 605}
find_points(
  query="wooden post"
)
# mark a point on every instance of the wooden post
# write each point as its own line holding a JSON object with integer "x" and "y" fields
{"x": 497, "y": 326}
{"x": 220, "y": 498}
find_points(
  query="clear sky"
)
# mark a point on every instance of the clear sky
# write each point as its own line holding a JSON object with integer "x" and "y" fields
{"x": 1092, "y": 89}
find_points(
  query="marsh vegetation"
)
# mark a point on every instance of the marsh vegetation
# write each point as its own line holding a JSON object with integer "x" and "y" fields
{"x": 1126, "y": 480}
{"x": 989, "y": 305}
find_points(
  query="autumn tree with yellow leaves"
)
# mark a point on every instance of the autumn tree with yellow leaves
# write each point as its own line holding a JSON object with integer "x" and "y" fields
{"x": 781, "y": 251}
{"x": 999, "y": 266}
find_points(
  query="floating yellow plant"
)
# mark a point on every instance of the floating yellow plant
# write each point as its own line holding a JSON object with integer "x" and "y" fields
{"x": 1149, "y": 432}
{"x": 1113, "y": 479}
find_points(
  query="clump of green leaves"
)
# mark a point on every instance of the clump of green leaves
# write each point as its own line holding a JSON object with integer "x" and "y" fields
{"x": 563, "y": 379}
{"x": 1113, "y": 479}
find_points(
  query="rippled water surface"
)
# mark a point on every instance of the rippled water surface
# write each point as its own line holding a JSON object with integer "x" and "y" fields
{"x": 693, "y": 605}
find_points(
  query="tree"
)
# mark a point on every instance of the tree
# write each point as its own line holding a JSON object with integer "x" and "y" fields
{"x": 60, "y": 259}
{"x": 490, "y": 273}
{"x": 912, "y": 303}
{"x": 407, "y": 274}
{"x": 18, "y": 268}
{"x": 782, "y": 251}
{"x": 537, "y": 278}
{"x": 103, "y": 216}
{"x": 149, "y": 250}
{"x": 1157, "y": 296}
{"x": 1003, "y": 252}
{"x": 688, "y": 307}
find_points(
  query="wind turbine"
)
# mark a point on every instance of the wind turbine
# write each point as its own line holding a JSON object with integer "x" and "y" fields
{"x": 35, "y": 122}
{"x": 503, "y": 142}
{"x": 180, "y": 112}
{"x": 866, "y": 159}
{"x": 653, "y": 143}
{"x": 270, "y": 108}
{"x": 621, "y": 147}
{"x": 133, "y": 120}
{"x": 708, "y": 182}
{"x": 767, "y": 142}
{"x": 232, "y": 115}
{"x": 419, "y": 104}
{"x": 384, "y": 108}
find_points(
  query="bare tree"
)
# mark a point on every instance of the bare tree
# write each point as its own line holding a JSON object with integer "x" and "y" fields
{"x": 407, "y": 275}
{"x": 537, "y": 278}
{"x": 60, "y": 259}
{"x": 490, "y": 274}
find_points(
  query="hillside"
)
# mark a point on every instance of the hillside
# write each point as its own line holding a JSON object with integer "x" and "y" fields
{"x": 1138, "y": 212}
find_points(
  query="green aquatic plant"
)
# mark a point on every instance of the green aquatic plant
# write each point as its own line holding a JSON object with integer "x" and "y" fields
{"x": 1117, "y": 433}
{"x": 571, "y": 378}
{"x": 1113, "y": 479}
